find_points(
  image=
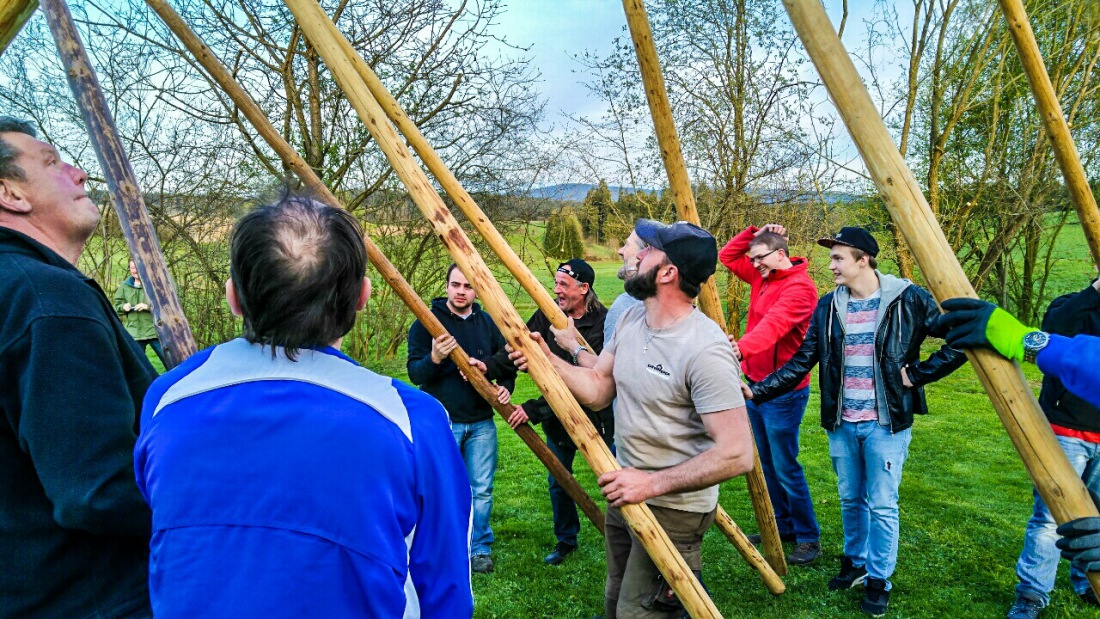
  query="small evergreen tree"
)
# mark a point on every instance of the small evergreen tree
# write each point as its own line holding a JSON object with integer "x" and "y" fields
{"x": 563, "y": 239}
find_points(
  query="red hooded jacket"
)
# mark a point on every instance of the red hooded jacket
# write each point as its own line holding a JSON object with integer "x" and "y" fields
{"x": 780, "y": 306}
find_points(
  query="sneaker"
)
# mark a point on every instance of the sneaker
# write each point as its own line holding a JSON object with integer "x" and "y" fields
{"x": 561, "y": 551}
{"x": 875, "y": 598}
{"x": 756, "y": 540}
{"x": 481, "y": 564}
{"x": 1026, "y": 606}
{"x": 804, "y": 553}
{"x": 849, "y": 576}
{"x": 1089, "y": 597}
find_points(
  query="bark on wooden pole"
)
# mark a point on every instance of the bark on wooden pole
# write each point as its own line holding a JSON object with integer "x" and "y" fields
{"x": 13, "y": 14}
{"x": 1058, "y": 484}
{"x": 543, "y": 299}
{"x": 1055, "y": 122}
{"x": 680, "y": 184}
{"x": 294, "y": 162}
{"x": 323, "y": 35}
{"x": 171, "y": 324}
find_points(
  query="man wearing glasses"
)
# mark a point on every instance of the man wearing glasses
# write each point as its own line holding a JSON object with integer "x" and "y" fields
{"x": 781, "y": 300}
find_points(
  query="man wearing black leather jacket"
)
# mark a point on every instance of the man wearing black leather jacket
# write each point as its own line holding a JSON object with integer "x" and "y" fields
{"x": 866, "y": 336}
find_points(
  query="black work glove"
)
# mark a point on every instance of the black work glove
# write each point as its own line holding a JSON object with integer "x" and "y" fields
{"x": 1080, "y": 543}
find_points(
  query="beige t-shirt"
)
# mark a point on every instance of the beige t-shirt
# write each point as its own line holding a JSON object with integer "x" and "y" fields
{"x": 664, "y": 380}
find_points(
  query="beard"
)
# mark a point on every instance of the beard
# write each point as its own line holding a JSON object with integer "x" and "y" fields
{"x": 642, "y": 286}
{"x": 626, "y": 271}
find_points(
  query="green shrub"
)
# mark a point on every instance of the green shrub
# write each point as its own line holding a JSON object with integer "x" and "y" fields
{"x": 564, "y": 239}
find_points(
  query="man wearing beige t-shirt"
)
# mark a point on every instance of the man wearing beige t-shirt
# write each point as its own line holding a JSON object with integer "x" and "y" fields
{"x": 680, "y": 421}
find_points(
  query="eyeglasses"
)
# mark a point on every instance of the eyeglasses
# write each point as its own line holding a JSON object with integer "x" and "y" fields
{"x": 760, "y": 258}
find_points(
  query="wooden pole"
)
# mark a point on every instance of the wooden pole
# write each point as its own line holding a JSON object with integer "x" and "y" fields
{"x": 680, "y": 184}
{"x": 294, "y": 162}
{"x": 13, "y": 14}
{"x": 1054, "y": 478}
{"x": 323, "y": 34}
{"x": 1055, "y": 122}
{"x": 171, "y": 324}
{"x": 542, "y": 298}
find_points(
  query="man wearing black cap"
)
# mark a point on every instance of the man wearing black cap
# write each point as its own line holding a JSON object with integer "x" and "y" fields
{"x": 573, "y": 289}
{"x": 866, "y": 335}
{"x": 680, "y": 421}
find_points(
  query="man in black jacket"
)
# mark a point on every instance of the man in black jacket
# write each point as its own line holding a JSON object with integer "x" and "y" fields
{"x": 866, "y": 336}
{"x": 74, "y": 530}
{"x": 471, "y": 416}
{"x": 573, "y": 289}
{"x": 1076, "y": 425}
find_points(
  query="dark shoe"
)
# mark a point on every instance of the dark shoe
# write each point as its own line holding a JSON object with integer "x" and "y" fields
{"x": 849, "y": 576}
{"x": 805, "y": 553}
{"x": 1089, "y": 597}
{"x": 875, "y": 598}
{"x": 481, "y": 564}
{"x": 561, "y": 551}
{"x": 755, "y": 538}
{"x": 1026, "y": 606}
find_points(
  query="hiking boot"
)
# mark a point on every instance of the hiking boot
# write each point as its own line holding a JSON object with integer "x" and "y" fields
{"x": 875, "y": 598}
{"x": 481, "y": 564}
{"x": 1026, "y": 606}
{"x": 804, "y": 553}
{"x": 561, "y": 551}
{"x": 1089, "y": 597}
{"x": 849, "y": 575}
{"x": 755, "y": 538}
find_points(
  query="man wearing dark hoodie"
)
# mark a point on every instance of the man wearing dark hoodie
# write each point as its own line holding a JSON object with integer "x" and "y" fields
{"x": 471, "y": 416}
{"x": 782, "y": 297}
{"x": 866, "y": 336}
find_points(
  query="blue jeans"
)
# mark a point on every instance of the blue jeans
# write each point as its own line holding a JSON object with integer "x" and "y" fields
{"x": 775, "y": 426}
{"x": 868, "y": 460}
{"x": 1038, "y": 563}
{"x": 478, "y": 443}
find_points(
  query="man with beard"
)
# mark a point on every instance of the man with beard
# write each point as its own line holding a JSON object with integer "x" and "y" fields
{"x": 576, "y": 298}
{"x": 680, "y": 421}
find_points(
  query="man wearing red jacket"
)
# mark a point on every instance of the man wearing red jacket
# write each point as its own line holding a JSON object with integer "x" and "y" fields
{"x": 782, "y": 299}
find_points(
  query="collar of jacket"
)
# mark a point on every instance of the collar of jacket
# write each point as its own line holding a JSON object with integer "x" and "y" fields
{"x": 14, "y": 242}
{"x": 440, "y": 303}
{"x": 798, "y": 265}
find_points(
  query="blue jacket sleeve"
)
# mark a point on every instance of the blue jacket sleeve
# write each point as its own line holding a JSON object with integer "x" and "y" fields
{"x": 439, "y": 557}
{"x": 1073, "y": 361}
{"x": 79, "y": 427}
{"x": 420, "y": 367}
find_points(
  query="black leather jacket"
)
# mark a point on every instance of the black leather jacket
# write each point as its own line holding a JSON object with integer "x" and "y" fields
{"x": 902, "y": 328}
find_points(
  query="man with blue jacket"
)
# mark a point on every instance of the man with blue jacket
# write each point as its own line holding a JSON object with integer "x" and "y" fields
{"x": 471, "y": 416}
{"x": 286, "y": 480}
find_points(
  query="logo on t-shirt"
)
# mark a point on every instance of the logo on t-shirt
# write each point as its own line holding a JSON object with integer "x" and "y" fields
{"x": 657, "y": 370}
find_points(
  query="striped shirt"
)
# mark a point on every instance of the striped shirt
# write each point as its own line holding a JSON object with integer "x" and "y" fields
{"x": 859, "y": 359}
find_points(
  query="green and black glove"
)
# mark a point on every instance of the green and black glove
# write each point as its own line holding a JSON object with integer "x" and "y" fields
{"x": 973, "y": 323}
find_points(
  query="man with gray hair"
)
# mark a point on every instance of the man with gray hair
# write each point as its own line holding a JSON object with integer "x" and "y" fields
{"x": 74, "y": 530}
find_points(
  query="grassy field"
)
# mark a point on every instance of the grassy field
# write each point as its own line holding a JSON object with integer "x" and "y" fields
{"x": 965, "y": 499}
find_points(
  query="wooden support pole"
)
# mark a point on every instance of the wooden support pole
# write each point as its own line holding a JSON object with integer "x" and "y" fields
{"x": 542, "y": 298}
{"x": 1055, "y": 122}
{"x": 294, "y": 162}
{"x": 13, "y": 14}
{"x": 1060, "y": 487}
{"x": 171, "y": 324}
{"x": 323, "y": 34}
{"x": 680, "y": 184}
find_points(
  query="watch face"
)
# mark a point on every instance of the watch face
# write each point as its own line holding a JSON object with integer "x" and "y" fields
{"x": 1036, "y": 340}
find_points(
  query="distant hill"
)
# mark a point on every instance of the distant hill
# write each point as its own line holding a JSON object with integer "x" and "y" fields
{"x": 576, "y": 192}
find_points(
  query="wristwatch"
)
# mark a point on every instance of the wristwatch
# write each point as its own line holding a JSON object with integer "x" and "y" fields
{"x": 1033, "y": 343}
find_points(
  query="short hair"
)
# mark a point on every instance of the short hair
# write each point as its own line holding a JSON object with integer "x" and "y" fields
{"x": 691, "y": 289}
{"x": 450, "y": 269}
{"x": 297, "y": 267}
{"x": 9, "y": 153}
{"x": 858, "y": 253}
{"x": 772, "y": 241}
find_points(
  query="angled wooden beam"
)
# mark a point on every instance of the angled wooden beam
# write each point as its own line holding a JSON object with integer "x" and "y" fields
{"x": 1055, "y": 122}
{"x": 1058, "y": 484}
{"x": 680, "y": 183}
{"x": 324, "y": 35}
{"x": 137, "y": 227}
{"x": 13, "y": 14}
{"x": 294, "y": 162}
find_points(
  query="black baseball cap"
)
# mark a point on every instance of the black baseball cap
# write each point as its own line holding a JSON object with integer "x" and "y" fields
{"x": 579, "y": 270}
{"x": 852, "y": 236}
{"x": 690, "y": 248}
